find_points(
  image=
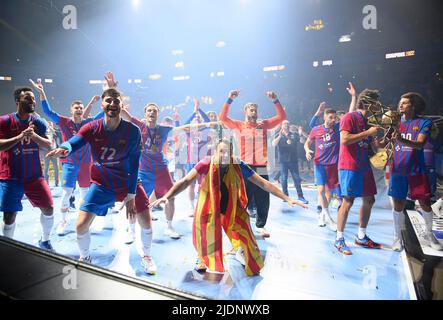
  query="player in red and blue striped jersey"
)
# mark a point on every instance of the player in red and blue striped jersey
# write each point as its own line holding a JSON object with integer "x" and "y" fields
{"x": 355, "y": 173}
{"x": 327, "y": 146}
{"x": 408, "y": 168}
{"x": 21, "y": 136}
{"x": 77, "y": 166}
{"x": 198, "y": 142}
{"x": 116, "y": 149}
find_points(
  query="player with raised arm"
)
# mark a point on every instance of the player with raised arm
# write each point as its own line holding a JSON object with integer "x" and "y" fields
{"x": 21, "y": 135}
{"x": 116, "y": 149}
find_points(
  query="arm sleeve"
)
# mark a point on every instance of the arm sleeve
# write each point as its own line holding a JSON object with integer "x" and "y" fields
{"x": 99, "y": 115}
{"x": 204, "y": 115}
{"x": 54, "y": 116}
{"x": 73, "y": 144}
{"x": 312, "y": 135}
{"x": 426, "y": 127}
{"x": 279, "y": 118}
{"x": 188, "y": 121}
{"x": 346, "y": 123}
{"x": 314, "y": 122}
{"x": 203, "y": 166}
{"x": 229, "y": 123}
{"x": 42, "y": 127}
{"x": 4, "y": 123}
{"x": 134, "y": 158}
{"x": 79, "y": 140}
{"x": 137, "y": 122}
{"x": 246, "y": 170}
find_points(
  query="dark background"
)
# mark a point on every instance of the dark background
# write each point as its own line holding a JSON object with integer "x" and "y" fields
{"x": 136, "y": 40}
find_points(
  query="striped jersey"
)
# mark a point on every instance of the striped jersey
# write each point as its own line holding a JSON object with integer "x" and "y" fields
{"x": 407, "y": 161}
{"x": 327, "y": 144}
{"x": 354, "y": 157}
{"x": 153, "y": 140}
{"x": 69, "y": 129}
{"x": 116, "y": 153}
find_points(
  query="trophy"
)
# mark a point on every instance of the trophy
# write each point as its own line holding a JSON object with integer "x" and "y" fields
{"x": 385, "y": 117}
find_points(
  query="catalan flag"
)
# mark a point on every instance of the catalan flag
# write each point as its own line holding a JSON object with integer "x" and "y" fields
{"x": 208, "y": 221}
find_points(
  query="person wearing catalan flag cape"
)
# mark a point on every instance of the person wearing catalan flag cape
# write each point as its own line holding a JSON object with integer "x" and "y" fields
{"x": 221, "y": 205}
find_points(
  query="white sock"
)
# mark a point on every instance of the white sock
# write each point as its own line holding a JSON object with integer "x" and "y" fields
{"x": 339, "y": 235}
{"x": 8, "y": 230}
{"x": 399, "y": 223}
{"x": 132, "y": 227}
{"x": 66, "y": 194}
{"x": 428, "y": 216}
{"x": 325, "y": 212}
{"x": 437, "y": 205}
{"x": 83, "y": 242}
{"x": 169, "y": 224}
{"x": 47, "y": 223}
{"x": 64, "y": 215}
{"x": 361, "y": 233}
{"x": 146, "y": 237}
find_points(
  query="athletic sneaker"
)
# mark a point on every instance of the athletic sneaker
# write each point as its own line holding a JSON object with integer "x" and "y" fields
{"x": 340, "y": 244}
{"x": 437, "y": 226}
{"x": 303, "y": 200}
{"x": 319, "y": 208}
{"x": 240, "y": 256}
{"x": 130, "y": 236}
{"x": 148, "y": 265}
{"x": 170, "y": 232}
{"x": 46, "y": 245}
{"x": 434, "y": 242}
{"x": 321, "y": 220}
{"x": 200, "y": 266}
{"x": 86, "y": 259}
{"x": 397, "y": 245}
{"x": 367, "y": 243}
{"x": 262, "y": 232}
{"x": 61, "y": 227}
{"x": 331, "y": 223}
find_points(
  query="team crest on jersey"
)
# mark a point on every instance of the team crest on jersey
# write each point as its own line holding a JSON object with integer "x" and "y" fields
{"x": 416, "y": 129}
